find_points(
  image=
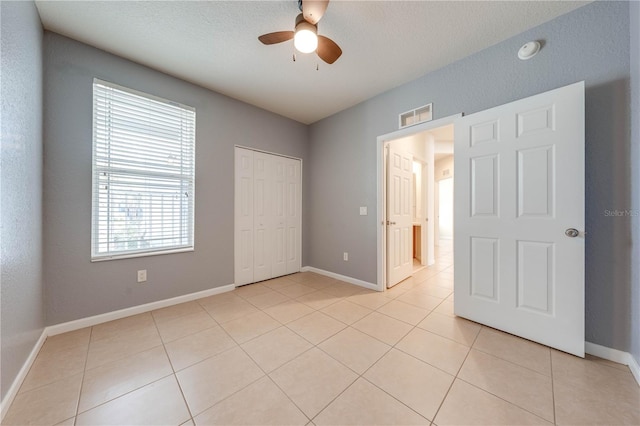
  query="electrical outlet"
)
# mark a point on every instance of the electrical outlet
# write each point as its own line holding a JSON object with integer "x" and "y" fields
{"x": 363, "y": 211}
{"x": 345, "y": 256}
{"x": 142, "y": 275}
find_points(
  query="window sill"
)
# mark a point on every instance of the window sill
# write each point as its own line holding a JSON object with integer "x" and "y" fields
{"x": 140, "y": 254}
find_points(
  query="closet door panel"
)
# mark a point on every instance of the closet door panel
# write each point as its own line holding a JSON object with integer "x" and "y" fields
{"x": 262, "y": 217}
{"x": 279, "y": 263}
{"x": 293, "y": 213}
{"x": 243, "y": 249}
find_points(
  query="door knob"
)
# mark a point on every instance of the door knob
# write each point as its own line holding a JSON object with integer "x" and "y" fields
{"x": 571, "y": 232}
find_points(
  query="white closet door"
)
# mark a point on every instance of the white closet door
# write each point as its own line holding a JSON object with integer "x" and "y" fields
{"x": 243, "y": 251}
{"x": 262, "y": 216}
{"x": 268, "y": 208}
{"x": 293, "y": 213}
{"x": 279, "y": 259}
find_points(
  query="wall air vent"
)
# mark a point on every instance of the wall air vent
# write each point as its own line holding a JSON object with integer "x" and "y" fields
{"x": 416, "y": 116}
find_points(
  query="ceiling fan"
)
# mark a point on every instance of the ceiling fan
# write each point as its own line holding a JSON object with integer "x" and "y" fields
{"x": 305, "y": 36}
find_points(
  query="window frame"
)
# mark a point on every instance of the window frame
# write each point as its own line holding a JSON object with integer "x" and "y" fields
{"x": 95, "y": 198}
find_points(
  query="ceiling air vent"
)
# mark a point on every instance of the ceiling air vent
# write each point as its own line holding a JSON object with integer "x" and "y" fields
{"x": 415, "y": 116}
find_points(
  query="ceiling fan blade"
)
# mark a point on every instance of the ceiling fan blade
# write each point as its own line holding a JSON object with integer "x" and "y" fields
{"x": 312, "y": 10}
{"x": 328, "y": 50}
{"x": 277, "y": 37}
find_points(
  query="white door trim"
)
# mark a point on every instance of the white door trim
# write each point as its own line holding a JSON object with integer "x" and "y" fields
{"x": 381, "y": 176}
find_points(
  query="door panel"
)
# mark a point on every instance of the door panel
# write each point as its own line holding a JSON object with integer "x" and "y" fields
{"x": 484, "y": 268}
{"x": 519, "y": 185}
{"x": 536, "y": 280}
{"x": 536, "y": 182}
{"x": 484, "y": 186}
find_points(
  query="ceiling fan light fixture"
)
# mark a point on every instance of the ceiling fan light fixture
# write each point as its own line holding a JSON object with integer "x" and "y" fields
{"x": 306, "y": 37}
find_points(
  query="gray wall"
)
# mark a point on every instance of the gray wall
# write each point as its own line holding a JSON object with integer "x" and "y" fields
{"x": 77, "y": 288}
{"x": 635, "y": 167}
{"x": 591, "y": 44}
{"x": 21, "y": 188}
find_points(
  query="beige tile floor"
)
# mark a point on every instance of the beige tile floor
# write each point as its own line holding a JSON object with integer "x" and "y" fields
{"x": 307, "y": 349}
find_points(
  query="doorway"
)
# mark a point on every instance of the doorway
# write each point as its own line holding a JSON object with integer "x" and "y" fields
{"x": 445, "y": 209}
{"x": 424, "y": 144}
{"x": 519, "y": 217}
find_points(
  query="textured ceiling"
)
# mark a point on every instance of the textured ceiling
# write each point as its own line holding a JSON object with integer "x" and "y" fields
{"x": 215, "y": 43}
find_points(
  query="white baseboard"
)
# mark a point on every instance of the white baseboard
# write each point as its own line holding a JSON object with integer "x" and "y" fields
{"x": 91, "y": 321}
{"x": 344, "y": 278}
{"x": 635, "y": 368}
{"x": 22, "y": 374}
{"x": 134, "y": 310}
{"x": 614, "y": 355}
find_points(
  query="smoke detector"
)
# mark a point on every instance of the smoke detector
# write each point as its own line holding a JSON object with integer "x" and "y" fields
{"x": 529, "y": 50}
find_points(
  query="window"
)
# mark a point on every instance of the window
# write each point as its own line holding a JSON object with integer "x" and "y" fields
{"x": 143, "y": 174}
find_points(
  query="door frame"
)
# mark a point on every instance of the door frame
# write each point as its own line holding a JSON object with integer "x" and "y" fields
{"x": 381, "y": 140}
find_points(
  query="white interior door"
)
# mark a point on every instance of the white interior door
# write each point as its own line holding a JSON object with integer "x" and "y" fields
{"x": 519, "y": 196}
{"x": 399, "y": 216}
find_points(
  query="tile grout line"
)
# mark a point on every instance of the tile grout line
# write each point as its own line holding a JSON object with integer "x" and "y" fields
{"x": 553, "y": 394}
{"x": 313, "y": 346}
{"x": 511, "y": 362}
{"x": 336, "y": 397}
{"x": 84, "y": 371}
{"x": 455, "y": 377}
{"x": 126, "y": 393}
{"x": 391, "y": 347}
{"x": 393, "y": 397}
{"x": 502, "y": 399}
{"x": 273, "y": 381}
{"x": 228, "y": 396}
{"x": 491, "y": 393}
{"x": 265, "y": 374}
{"x": 282, "y": 325}
{"x": 387, "y": 393}
{"x": 135, "y": 389}
{"x": 175, "y": 376}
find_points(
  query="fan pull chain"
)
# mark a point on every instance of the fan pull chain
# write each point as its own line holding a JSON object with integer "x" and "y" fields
{"x": 294, "y": 57}
{"x": 317, "y": 67}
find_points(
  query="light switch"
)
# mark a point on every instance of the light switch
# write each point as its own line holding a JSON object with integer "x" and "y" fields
{"x": 363, "y": 211}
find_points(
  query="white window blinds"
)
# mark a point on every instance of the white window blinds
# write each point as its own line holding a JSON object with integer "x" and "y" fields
{"x": 143, "y": 173}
